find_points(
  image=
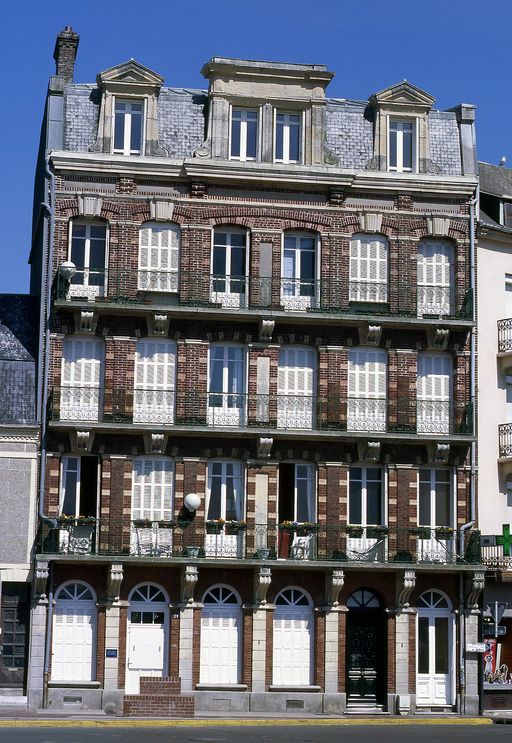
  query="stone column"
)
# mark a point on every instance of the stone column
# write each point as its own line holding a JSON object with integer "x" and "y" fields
{"x": 38, "y": 619}
{"x": 189, "y": 577}
{"x": 262, "y": 580}
{"x": 404, "y": 620}
{"x": 470, "y": 701}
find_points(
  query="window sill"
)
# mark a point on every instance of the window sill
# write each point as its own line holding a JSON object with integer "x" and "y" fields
{"x": 75, "y": 684}
{"x": 288, "y": 688}
{"x": 221, "y": 687}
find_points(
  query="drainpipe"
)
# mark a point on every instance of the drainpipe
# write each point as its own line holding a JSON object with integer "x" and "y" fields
{"x": 44, "y": 330}
{"x": 48, "y": 639}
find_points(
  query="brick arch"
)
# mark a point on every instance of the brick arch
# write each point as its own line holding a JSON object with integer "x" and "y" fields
{"x": 229, "y": 335}
{"x": 67, "y": 207}
{"x": 298, "y": 339}
{"x": 233, "y": 221}
{"x": 304, "y": 224}
{"x": 388, "y": 229}
{"x": 295, "y": 455}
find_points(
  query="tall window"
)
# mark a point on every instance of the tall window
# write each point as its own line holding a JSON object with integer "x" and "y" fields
{"x": 298, "y": 283}
{"x": 288, "y": 137}
{"x": 435, "y": 504}
{"x": 244, "y": 134}
{"x": 88, "y": 252}
{"x": 226, "y": 384}
{"x": 159, "y": 247}
{"x": 295, "y": 388}
{"x": 368, "y": 269}
{"x": 128, "y": 127}
{"x": 82, "y": 378}
{"x": 229, "y": 266}
{"x": 155, "y": 372}
{"x": 366, "y": 410}
{"x": 79, "y": 486}
{"x": 435, "y": 277}
{"x": 365, "y": 496}
{"x": 434, "y": 393}
{"x": 296, "y": 492}
{"x": 225, "y": 493}
{"x": 402, "y": 148}
{"x": 152, "y": 488}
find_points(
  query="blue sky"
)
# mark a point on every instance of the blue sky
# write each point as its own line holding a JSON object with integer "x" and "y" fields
{"x": 454, "y": 49}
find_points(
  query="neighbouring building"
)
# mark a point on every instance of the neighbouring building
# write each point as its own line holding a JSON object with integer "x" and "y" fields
{"x": 259, "y": 448}
{"x": 19, "y": 443}
{"x": 494, "y": 275}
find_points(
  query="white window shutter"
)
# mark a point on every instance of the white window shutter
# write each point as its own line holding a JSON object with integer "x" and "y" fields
{"x": 434, "y": 376}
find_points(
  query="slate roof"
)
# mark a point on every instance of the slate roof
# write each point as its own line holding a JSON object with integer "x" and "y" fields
{"x": 18, "y": 352}
{"x": 495, "y": 180}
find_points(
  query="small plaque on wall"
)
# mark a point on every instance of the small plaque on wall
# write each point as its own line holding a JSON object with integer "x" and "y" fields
{"x": 111, "y": 653}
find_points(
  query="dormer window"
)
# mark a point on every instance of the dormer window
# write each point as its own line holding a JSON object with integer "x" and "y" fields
{"x": 402, "y": 148}
{"x": 507, "y": 214}
{"x": 128, "y": 127}
{"x": 288, "y": 135}
{"x": 244, "y": 134}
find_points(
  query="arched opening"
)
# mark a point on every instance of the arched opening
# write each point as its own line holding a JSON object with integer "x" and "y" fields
{"x": 293, "y": 639}
{"x": 148, "y": 635}
{"x": 366, "y": 650}
{"x": 74, "y": 633}
{"x": 221, "y": 621}
{"x": 435, "y": 682}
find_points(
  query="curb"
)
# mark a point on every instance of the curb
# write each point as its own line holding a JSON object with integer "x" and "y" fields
{"x": 243, "y": 722}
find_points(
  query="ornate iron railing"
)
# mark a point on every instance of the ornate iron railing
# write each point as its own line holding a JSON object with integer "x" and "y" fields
{"x": 505, "y": 440}
{"x": 297, "y": 542}
{"x": 270, "y": 412}
{"x": 272, "y": 293}
{"x": 504, "y": 335}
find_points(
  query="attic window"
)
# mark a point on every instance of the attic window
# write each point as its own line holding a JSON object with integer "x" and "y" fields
{"x": 401, "y": 146}
{"x": 128, "y": 127}
{"x": 507, "y": 214}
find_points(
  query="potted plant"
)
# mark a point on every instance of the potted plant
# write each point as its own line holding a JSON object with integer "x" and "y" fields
{"x": 142, "y": 524}
{"x": 354, "y": 530}
{"x": 263, "y": 553}
{"x": 234, "y": 527}
{"x": 214, "y": 526}
{"x": 422, "y": 532}
{"x": 166, "y": 524}
{"x": 444, "y": 532}
{"x": 306, "y": 528}
{"x": 191, "y": 551}
{"x": 377, "y": 532}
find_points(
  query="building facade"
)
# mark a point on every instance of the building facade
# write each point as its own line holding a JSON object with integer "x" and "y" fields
{"x": 18, "y": 491}
{"x": 260, "y": 407}
{"x": 494, "y": 423}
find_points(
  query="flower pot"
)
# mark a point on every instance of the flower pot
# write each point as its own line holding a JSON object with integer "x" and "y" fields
{"x": 192, "y": 551}
{"x": 263, "y": 553}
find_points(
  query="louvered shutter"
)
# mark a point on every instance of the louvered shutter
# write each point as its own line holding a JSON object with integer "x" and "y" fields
{"x": 368, "y": 269}
{"x": 433, "y": 393}
{"x": 295, "y": 388}
{"x": 367, "y": 390}
{"x": 159, "y": 257}
{"x": 82, "y": 362}
{"x": 435, "y": 260}
{"x": 155, "y": 373}
{"x": 152, "y": 488}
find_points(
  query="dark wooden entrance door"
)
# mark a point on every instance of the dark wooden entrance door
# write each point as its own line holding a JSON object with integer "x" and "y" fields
{"x": 365, "y": 657}
{"x": 14, "y": 623}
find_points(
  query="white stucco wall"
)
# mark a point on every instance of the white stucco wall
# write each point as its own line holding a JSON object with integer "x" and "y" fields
{"x": 494, "y": 260}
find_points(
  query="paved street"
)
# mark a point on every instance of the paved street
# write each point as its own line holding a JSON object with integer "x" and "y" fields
{"x": 262, "y": 734}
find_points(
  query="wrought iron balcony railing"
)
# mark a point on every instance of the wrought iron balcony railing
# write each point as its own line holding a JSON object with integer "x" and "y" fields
{"x": 271, "y": 412}
{"x": 264, "y": 293}
{"x": 505, "y": 440}
{"x": 504, "y": 335}
{"x": 238, "y": 540}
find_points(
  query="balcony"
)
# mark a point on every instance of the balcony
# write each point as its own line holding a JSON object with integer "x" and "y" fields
{"x": 505, "y": 441}
{"x": 278, "y": 542}
{"x": 256, "y": 412}
{"x": 505, "y": 345}
{"x": 246, "y": 294}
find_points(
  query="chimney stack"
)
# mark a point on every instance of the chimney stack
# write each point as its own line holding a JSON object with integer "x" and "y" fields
{"x": 65, "y": 53}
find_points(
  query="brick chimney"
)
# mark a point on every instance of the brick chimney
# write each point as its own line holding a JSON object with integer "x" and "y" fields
{"x": 65, "y": 53}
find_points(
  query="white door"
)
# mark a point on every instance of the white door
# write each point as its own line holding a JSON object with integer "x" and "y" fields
{"x": 435, "y": 261}
{"x": 434, "y": 684}
{"x": 159, "y": 258}
{"x": 147, "y": 640}
{"x": 433, "y": 393}
{"x": 295, "y": 388}
{"x": 366, "y": 409}
{"x": 229, "y": 267}
{"x": 81, "y": 393}
{"x": 220, "y": 637}
{"x": 226, "y": 382}
{"x": 368, "y": 269}
{"x": 155, "y": 370}
{"x": 73, "y": 636}
{"x": 292, "y": 639}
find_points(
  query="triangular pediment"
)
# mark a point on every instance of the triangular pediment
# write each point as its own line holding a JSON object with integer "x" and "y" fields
{"x": 405, "y": 94}
{"x": 130, "y": 73}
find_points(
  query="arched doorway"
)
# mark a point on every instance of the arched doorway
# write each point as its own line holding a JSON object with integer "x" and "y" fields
{"x": 366, "y": 650}
{"x": 74, "y": 633}
{"x": 293, "y": 639}
{"x": 148, "y": 629}
{"x": 220, "y": 637}
{"x": 435, "y": 681}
